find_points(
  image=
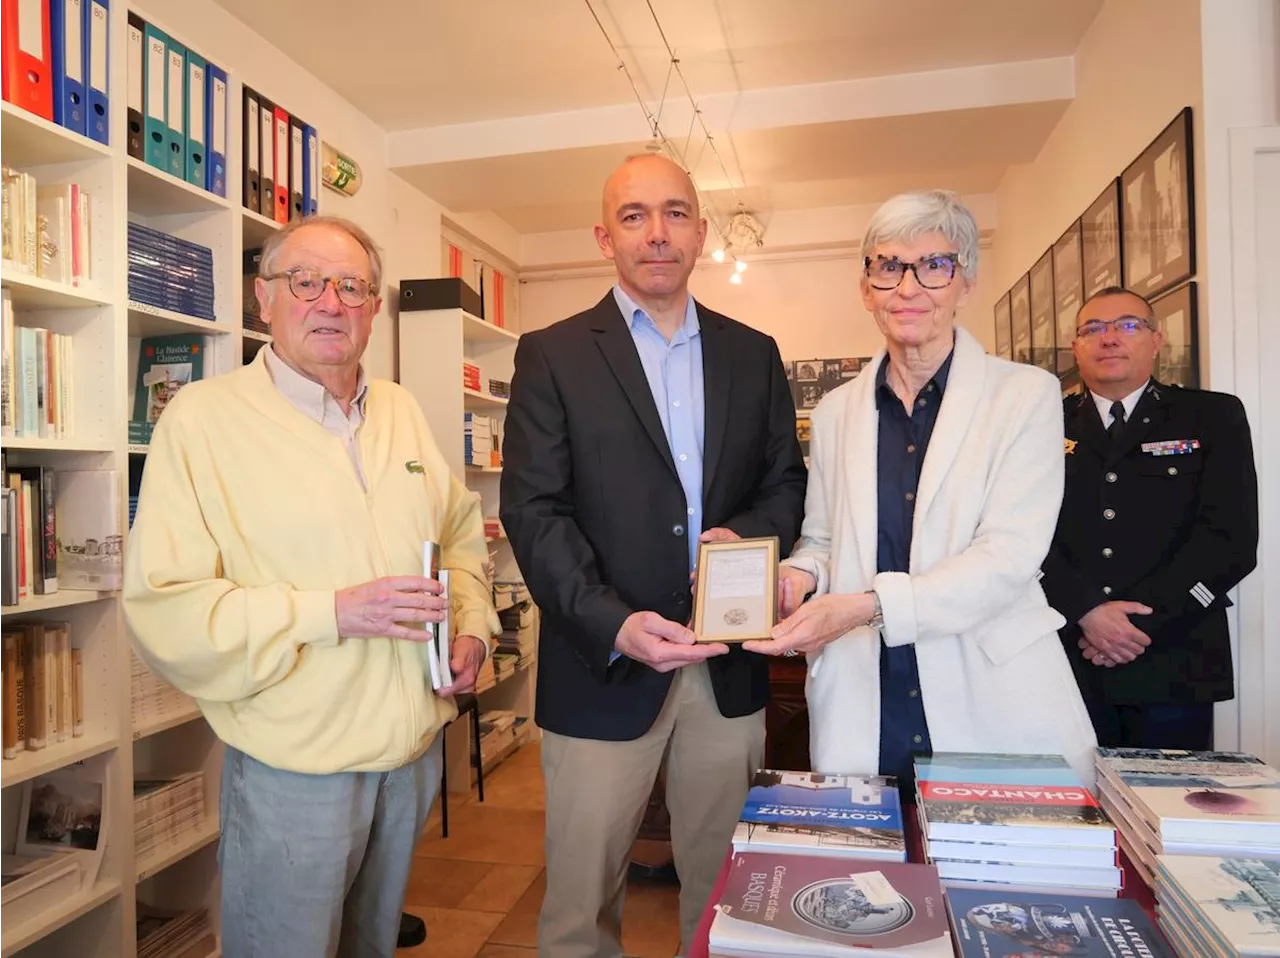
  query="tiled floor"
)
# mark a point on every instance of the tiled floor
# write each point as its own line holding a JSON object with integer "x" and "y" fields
{"x": 480, "y": 889}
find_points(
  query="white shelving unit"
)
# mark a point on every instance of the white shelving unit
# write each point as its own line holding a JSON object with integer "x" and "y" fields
{"x": 433, "y": 346}
{"x": 100, "y": 921}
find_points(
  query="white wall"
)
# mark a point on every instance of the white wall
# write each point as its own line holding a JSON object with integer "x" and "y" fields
{"x": 805, "y": 296}
{"x": 1136, "y": 67}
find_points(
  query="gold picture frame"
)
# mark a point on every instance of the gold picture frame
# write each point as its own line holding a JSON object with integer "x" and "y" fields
{"x": 735, "y": 595}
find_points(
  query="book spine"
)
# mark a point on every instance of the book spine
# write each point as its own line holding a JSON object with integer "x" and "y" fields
{"x": 77, "y": 695}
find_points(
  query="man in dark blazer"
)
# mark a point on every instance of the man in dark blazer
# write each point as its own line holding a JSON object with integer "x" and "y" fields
{"x": 1159, "y": 522}
{"x": 636, "y": 429}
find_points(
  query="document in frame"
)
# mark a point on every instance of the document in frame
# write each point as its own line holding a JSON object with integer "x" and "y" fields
{"x": 736, "y": 590}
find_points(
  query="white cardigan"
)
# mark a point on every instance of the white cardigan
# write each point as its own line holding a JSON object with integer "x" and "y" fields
{"x": 993, "y": 674}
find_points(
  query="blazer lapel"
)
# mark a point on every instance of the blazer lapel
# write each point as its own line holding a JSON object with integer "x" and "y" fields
{"x": 856, "y": 436}
{"x": 959, "y": 405}
{"x": 717, "y": 383}
{"x": 1087, "y": 426}
{"x": 614, "y": 339}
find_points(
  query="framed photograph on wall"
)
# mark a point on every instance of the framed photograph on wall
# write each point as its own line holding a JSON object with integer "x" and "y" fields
{"x": 1068, "y": 288}
{"x": 1042, "y": 313}
{"x": 1020, "y": 319}
{"x": 1004, "y": 332}
{"x": 1175, "y": 317}
{"x": 1100, "y": 241}
{"x": 1159, "y": 212}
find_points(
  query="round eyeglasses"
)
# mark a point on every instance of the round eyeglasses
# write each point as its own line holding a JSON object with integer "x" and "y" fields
{"x": 1124, "y": 325}
{"x": 308, "y": 285}
{"x": 935, "y": 271}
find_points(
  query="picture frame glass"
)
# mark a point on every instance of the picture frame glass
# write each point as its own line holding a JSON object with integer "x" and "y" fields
{"x": 1004, "y": 331}
{"x": 1100, "y": 241}
{"x": 1068, "y": 290}
{"x": 1159, "y": 212}
{"x": 1042, "y": 312}
{"x": 1020, "y": 317}
{"x": 1175, "y": 316}
{"x": 736, "y": 590}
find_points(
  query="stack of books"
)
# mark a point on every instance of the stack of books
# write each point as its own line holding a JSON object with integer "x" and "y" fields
{"x": 1219, "y": 906}
{"x": 165, "y": 809}
{"x": 808, "y": 905}
{"x": 807, "y": 813}
{"x": 478, "y": 448}
{"x": 519, "y": 633}
{"x": 163, "y": 933}
{"x": 1168, "y": 802}
{"x": 170, "y": 273}
{"x": 998, "y": 924}
{"x": 151, "y": 698}
{"x": 1015, "y": 823}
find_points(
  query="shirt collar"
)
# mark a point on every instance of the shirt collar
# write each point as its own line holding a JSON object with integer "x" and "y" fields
{"x": 885, "y": 393}
{"x": 1130, "y": 403}
{"x": 632, "y": 312}
{"x": 305, "y": 394}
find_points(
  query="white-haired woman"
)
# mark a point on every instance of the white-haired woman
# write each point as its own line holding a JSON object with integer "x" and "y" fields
{"x": 933, "y": 494}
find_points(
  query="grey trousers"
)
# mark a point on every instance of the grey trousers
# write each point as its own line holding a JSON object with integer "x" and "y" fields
{"x": 315, "y": 866}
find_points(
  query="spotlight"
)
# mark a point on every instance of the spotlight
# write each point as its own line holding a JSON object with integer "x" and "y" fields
{"x": 718, "y": 255}
{"x": 735, "y": 278}
{"x": 740, "y": 266}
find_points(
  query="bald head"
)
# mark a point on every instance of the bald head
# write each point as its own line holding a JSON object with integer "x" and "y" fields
{"x": 650, "y": 228}
{"x": 645, "y": 166}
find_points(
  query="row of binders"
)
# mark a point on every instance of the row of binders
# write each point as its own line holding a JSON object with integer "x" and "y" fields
{"x": 281, "y": 161}
{"x": 177, "y": 108}
{"x": 55, "y": 62}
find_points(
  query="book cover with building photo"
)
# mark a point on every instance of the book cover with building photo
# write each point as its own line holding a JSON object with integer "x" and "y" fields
{"x": 66, "y": 812}
{"x": 809, "y": 813}
{"x": 807, "y": 905}
{"x": 811, "y": 379}
{"x": 165, "y": 365}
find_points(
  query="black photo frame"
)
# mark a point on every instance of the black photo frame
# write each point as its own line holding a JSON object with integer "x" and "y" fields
{"x": 1020, "y": 319}
{"x": 1100, "y": 258}
{"x": 1176, "y": 317}
{"x": 1040, "y": 280}
{"x": 1068, "y": 293}
{"x": 1157, "y": 190}
{"x": 1004, "y": 329}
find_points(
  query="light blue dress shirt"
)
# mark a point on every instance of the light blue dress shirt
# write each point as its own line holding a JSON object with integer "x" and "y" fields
{"x": 674, "y": 372}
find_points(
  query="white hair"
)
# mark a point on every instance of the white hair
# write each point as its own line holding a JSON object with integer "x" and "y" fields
{"x": 908, "y": 216}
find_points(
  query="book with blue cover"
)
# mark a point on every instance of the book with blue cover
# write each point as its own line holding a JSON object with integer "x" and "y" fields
{"x": 809, "y": 813}
{"x": 1000, "y": 924}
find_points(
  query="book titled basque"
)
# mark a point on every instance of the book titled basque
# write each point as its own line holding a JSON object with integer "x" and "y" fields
{"x": 815, "y": 814}
{"x": 806, "y": 905}
{"x": 1000, "y": 924}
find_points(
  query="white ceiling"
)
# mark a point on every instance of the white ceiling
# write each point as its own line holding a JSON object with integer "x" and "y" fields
{"x": 414, "y": 66}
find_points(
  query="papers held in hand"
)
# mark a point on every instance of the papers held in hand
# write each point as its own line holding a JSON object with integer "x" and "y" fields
{"x": 736, "y": 590}
{"x": 436, "y": 648}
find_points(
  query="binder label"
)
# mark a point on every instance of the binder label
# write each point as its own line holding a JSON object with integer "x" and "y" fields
{"x": 31, "y": 28}
{"x": 73, "y": 62}
{"x": 175, "y": 92}
{"x": 135, "y": 69}
{"x": 220, "y": 118}
{"x": 98, "y": 47}
{"x": 195, "y": 102}
{"x": 155, "y": 80}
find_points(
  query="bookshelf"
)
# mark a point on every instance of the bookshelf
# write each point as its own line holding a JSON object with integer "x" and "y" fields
{"x": 433, "y": 346}
{"x": 106, "y": 327}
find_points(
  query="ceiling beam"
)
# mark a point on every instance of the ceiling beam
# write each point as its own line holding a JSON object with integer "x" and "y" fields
{"x": 987, "y": 85}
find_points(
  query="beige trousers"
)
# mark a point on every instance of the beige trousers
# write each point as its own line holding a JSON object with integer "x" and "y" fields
{"x": 596, "y": 798}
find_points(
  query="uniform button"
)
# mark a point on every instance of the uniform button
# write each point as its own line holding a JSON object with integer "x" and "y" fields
{"x": 1173, "y": 470}
{"x": 911, "y": 448}
{"x": 677, "y": 530}
{"x": 1111, "y": 477}
{"x": 917, "y": 739}
{"x": 1106, "y": 590}
{"x": 911, "y": 497}
{"x": 1146, "y": 420}
{"x": 1106, "y": 513}
{"x": 1107, "y": 553}
{"x": 914, "y": 693}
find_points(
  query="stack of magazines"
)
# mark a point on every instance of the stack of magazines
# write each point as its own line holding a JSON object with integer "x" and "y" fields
{"x": 1219, "y": 906}
{"x": 174, "y": 934}
{"x": 806, "y": 813}
{"x": 1015, "y": 823}
{"x": 1168, "y": 802}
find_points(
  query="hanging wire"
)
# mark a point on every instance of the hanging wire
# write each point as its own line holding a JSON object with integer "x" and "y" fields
{"x": 655, "y": 127}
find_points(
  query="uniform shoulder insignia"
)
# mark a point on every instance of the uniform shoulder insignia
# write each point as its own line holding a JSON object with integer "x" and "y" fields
{"x": 1069, "y": 446}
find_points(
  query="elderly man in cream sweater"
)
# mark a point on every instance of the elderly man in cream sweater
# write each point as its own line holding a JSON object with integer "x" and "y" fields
{"x": 274, "y": 573}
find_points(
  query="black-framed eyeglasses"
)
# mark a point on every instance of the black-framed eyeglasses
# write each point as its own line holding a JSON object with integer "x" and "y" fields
{"x": 935, "y": 271}
{"x": 1124, "y": 325}
{"x": 308, "y": 285}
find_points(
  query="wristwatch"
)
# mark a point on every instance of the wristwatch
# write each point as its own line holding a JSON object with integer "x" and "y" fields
{"x": 877, "y": 616}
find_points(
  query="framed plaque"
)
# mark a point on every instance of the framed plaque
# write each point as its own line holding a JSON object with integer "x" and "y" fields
{"x": 1042, "y": 312}
{"x": 735, "y": 596}
{"x": 1004, "y": 331}
{"x": 1100, "y": 241}
{"x": 1020, "y": 317}
{"x": 1068, "y": 283}
{"x": 1159, "y": 212}
{"x": 1175, "y": 316}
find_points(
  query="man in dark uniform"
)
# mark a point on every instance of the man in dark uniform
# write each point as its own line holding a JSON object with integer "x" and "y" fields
{"x": 1159, "y": 522}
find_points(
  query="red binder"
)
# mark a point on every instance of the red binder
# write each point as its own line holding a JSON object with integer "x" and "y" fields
{"x": 282, "y": 166}
{"x": 27, "y": 72}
